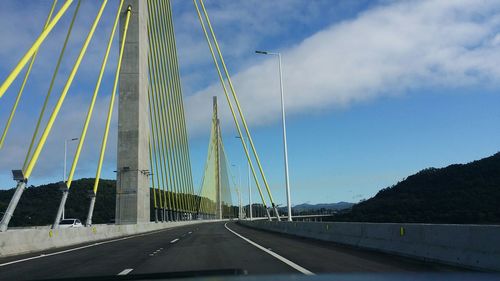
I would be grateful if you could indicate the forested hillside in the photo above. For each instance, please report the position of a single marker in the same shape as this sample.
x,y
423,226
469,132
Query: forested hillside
x,y
38,205
460,193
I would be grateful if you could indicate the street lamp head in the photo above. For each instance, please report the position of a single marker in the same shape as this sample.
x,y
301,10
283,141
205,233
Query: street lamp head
x,y
74,139
261,52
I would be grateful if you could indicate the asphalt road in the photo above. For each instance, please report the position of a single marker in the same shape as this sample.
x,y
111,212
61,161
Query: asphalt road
x,y
208,246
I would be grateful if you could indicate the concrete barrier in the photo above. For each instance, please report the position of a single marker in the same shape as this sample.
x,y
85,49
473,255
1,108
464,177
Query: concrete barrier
x,y
470,246
21,241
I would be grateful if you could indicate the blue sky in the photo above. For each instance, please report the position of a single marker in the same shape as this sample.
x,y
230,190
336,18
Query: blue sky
x,y
375,90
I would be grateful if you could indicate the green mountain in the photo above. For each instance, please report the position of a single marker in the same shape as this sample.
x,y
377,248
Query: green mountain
x,y
324,206
38,205
460,193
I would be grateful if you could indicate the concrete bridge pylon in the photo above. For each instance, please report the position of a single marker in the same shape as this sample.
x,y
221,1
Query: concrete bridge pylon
x,y
132,186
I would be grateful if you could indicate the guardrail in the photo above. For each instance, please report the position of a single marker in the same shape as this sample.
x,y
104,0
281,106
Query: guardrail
x,y
470,246
21,241
314,218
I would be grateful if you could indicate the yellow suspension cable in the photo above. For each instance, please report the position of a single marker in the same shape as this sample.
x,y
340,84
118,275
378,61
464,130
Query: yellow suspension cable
x,y
209,181
200,194
169,175
24,60
227,170
153,155
26,76
112,99
154,121
169,196
52,81
203,195
180,110
152,151
83,135
174,131
218,170
166,111
158,141
237,104
59,103
230,105
152,178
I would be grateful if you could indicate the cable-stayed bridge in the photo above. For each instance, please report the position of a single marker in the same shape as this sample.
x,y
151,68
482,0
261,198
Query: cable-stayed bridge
x,y
216,202
153,146
189,231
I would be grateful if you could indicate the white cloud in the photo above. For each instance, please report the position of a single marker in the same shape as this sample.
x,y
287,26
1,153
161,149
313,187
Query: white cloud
x,y
245,25
22,21
383,51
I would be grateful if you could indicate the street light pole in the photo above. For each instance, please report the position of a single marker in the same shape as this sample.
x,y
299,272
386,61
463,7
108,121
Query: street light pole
x,y
65,155
239,193
61,207
285,148
238,190
249,191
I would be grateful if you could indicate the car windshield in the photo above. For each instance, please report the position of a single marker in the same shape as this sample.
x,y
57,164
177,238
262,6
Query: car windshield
x,y
66,222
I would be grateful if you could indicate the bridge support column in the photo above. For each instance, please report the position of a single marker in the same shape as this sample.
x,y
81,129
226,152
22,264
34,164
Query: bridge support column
x,y
88,222
132,190
21,185
62,205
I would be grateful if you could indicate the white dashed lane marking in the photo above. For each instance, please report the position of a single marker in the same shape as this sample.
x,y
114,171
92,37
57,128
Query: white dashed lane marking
x,y
126,271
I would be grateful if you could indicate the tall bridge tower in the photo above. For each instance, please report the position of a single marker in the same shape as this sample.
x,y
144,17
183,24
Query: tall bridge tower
x,y
132,189
152,133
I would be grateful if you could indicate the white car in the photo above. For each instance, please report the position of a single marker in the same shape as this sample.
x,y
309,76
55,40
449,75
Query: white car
x,y
68,223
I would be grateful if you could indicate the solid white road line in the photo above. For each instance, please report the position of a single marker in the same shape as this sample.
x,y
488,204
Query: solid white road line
x,y
79,248
284,260
173,241
126,271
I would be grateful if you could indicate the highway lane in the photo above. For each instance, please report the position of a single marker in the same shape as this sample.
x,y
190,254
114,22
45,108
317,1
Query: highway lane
x,y
325,257
106,259
207,246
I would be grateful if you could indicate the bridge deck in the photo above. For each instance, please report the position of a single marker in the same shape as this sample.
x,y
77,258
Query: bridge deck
x,y
205,247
